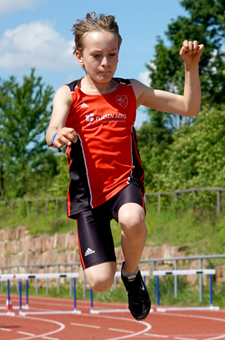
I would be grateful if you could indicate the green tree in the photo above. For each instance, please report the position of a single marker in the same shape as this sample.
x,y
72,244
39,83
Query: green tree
x,y
196,157
205,23
60,183
153,140
25,111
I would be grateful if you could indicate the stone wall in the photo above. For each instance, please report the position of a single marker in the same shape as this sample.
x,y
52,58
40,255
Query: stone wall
x,y
18,248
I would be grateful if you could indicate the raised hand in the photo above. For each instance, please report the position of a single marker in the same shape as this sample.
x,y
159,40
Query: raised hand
x,y
191,51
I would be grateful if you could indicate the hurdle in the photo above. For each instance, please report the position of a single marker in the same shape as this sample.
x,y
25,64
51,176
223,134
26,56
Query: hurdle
x,y
98,311
8,313
9,277
26,306
210,272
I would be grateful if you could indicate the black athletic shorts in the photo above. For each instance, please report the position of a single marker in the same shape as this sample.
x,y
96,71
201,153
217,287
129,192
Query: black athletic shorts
x,y
94,232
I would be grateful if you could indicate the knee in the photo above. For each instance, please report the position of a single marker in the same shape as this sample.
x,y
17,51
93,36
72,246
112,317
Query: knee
x,y
101,277
100,284
132,222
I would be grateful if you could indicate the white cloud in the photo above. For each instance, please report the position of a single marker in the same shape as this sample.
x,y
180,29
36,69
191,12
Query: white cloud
x,y
144,78
8,6
35,45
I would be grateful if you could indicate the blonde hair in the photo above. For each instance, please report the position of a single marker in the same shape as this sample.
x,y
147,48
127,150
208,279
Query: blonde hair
x,y
94,23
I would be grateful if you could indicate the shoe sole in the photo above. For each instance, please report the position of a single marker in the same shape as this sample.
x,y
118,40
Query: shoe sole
x,y
141,317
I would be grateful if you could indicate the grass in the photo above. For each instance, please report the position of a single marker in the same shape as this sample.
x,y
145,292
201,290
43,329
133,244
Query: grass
x,y
202,231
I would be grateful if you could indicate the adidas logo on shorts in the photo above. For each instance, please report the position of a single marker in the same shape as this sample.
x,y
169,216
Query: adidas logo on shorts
x,y
89,251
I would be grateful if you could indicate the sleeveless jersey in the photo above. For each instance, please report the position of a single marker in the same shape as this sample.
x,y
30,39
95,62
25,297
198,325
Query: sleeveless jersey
x,y
105,158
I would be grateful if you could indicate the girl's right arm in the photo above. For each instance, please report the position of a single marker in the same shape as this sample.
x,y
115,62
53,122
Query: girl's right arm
x,y
57,131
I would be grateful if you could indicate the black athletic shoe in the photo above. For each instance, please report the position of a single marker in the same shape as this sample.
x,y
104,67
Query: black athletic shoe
x,y
138,298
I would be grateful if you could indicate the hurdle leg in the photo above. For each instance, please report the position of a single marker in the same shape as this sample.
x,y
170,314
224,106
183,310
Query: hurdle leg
x,y
157,290
210,290
27,292
20,295
9,300
74,294
91,301
8,294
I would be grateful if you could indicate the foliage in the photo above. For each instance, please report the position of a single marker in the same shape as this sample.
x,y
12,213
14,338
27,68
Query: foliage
x,y
204,22
196,157
207,25
60,182
183,223
26,164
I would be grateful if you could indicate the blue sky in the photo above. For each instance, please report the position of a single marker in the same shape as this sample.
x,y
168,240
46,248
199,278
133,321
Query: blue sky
x,y
37,33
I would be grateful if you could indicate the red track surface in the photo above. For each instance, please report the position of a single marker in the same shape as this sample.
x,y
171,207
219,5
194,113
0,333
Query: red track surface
x,y
179,325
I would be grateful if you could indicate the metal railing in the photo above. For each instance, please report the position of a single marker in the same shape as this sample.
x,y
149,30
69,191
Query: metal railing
x,y
194,191
42,205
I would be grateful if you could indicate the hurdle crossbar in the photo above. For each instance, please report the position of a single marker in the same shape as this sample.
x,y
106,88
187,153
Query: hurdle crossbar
x,y
6,277
209,272
98,311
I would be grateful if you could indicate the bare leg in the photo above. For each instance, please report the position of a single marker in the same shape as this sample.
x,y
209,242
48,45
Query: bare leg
x,y
131,218
101,276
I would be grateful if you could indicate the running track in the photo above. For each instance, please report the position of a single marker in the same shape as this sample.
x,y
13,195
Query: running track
x,y
185,325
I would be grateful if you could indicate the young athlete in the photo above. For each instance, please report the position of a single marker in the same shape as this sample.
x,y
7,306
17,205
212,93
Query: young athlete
x,y
94,116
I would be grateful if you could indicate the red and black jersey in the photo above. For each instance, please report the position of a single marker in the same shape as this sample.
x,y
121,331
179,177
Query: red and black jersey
x,y
105,158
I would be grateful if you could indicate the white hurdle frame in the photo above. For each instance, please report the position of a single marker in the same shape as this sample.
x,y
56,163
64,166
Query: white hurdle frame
x,y
98,311
19,277
210,272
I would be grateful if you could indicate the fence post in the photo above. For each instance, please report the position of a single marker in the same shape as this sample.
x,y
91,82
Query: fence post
x,y
176,197
46,207
58,283
27,207
159,202
37,208
84,285
47,286
194,204
57,204
175,279
71,270
218,202
200,281
2,282
36,280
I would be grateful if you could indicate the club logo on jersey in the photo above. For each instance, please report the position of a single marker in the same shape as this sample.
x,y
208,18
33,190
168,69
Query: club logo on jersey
x,y
109,117
90,117
122,100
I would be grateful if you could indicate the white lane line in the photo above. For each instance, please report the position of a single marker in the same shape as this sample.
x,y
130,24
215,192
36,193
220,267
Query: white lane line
x,y
179,338
148,327
158,336
217,337
120,330
35,335
5,329
45,335
84,325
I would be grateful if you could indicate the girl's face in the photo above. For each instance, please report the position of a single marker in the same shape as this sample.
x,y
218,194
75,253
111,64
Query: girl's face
x,y
100,55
